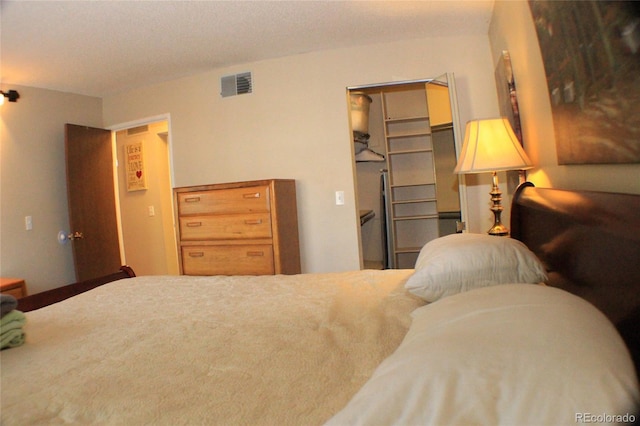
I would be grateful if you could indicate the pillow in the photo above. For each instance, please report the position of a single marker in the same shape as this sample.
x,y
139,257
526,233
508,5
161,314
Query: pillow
x,y
514,354
460,262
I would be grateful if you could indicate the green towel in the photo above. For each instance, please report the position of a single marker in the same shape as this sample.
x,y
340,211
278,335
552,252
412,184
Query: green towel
x,y
11,334
11,338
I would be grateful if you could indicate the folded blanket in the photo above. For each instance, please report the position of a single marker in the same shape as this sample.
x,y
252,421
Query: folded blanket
x,y
7,304
11,333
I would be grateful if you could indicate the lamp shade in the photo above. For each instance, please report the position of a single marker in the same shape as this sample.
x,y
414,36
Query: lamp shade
x,y
490,145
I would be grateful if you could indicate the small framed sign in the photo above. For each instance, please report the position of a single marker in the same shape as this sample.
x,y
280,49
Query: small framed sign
x,y
134,157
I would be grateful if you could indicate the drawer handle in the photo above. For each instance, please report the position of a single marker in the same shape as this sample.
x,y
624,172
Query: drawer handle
x,y
192,199
253,221
194,224
196,254
252,195
255,253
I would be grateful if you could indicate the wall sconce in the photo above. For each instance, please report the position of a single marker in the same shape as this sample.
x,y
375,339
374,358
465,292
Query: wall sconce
x,y
12,95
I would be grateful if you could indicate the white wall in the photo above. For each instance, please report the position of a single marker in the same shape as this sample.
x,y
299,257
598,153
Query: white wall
x,y
33,183
512,29
295,125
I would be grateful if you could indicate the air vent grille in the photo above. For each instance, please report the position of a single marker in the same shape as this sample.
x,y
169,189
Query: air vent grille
x,y
238,84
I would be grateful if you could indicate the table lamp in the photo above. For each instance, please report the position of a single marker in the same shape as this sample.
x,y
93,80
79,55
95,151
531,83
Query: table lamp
x,y
490,145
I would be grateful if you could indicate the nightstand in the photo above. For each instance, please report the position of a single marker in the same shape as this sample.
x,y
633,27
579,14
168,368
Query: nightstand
x,y
13,286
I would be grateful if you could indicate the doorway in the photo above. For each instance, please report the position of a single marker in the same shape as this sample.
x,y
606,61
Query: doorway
x,y
404,154
144,198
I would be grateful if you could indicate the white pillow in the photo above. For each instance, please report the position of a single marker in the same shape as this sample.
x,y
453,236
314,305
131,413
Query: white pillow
x,y
514,354
460,262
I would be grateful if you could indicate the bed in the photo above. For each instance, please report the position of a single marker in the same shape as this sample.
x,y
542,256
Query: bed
x,y
539,328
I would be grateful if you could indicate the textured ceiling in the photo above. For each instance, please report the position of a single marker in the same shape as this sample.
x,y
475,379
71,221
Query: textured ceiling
x,y
99,48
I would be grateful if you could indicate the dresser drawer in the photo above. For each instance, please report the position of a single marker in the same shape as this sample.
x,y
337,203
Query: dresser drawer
x,y
224,201
250,259
222,227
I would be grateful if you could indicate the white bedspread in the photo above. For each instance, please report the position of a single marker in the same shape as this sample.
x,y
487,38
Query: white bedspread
x,y
269,350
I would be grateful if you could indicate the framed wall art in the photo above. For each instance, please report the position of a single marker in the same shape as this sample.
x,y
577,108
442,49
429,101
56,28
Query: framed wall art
x,y
508,102
591,55
507,97
134,158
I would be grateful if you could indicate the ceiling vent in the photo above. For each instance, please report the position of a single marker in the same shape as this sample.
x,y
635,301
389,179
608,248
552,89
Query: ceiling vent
x,y
238,84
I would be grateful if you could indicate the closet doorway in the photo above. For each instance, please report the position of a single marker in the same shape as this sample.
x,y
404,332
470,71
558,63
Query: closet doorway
x,y
405,137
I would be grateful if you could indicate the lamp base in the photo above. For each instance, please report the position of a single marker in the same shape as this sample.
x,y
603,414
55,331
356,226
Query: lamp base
x,y
498,229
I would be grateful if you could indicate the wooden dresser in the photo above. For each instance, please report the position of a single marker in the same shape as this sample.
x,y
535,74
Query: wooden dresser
x,y
241,228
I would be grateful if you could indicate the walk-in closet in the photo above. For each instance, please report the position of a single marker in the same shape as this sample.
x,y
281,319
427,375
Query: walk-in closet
x,y
405,151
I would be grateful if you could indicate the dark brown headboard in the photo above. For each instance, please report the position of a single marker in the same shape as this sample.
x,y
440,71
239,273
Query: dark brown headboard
x,y
590,243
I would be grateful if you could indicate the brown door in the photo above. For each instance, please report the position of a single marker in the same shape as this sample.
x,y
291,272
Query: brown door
x,y
91,195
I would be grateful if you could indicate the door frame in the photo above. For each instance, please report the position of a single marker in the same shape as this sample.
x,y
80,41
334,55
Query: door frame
x,y
128,125
458,138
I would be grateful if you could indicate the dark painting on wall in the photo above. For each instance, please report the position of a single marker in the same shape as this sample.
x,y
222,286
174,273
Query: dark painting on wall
x,y
591,55
508,102
507,97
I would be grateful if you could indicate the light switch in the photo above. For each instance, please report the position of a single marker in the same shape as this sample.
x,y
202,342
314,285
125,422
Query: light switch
x,y
28,223
339,198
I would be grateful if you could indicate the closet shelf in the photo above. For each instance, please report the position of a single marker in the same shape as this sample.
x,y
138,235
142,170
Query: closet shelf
x,y
410,198
410,151
441,127
409,185
408,134
415,200
406,119
417,217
